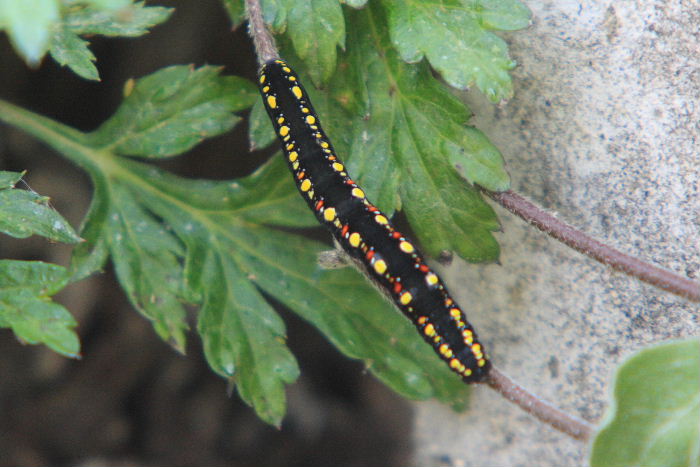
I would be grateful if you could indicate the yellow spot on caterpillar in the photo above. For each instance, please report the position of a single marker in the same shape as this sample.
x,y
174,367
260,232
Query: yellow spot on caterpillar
x,y
445,351
337,223
292,78
406,298
481,362
280,120
293,156
324,145
431,278
295,165
310,119
468,336
287,69
266,89
305,185
311,194
329,214
338,167
455,313
305,110
272,102
429,330
262,79
355,239
381,219
406,247
284,130
297,92
422,320
454,363
467,372
290,146
358,193
380,266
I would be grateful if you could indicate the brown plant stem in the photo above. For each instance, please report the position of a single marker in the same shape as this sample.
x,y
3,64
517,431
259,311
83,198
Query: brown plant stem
x,y
605,254
540,409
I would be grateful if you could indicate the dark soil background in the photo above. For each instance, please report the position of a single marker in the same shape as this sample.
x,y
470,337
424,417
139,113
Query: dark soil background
x,y
132,400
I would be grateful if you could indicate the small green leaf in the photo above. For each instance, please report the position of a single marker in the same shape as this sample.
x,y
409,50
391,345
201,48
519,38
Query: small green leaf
x,y
316,29
25,306
236,12
29,24
453,36
131,20
25,213
655,417
173,110
68,49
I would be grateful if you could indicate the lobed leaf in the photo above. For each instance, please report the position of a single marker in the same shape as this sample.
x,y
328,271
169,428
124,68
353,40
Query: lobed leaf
x,y
453,35
172,110
26,308
654,419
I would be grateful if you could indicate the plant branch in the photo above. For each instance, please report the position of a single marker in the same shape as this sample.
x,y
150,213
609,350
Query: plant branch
x,y
578,429
607,255
540,409
265,46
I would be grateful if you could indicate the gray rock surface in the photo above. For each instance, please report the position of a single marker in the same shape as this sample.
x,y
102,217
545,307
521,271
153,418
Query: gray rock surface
x,y
604,131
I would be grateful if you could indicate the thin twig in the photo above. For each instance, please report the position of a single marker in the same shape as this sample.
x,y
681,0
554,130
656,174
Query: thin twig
x,y
264,42
581,242
545,412
266,50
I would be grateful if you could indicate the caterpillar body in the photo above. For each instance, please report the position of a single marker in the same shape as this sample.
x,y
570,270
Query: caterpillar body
x,y
390,259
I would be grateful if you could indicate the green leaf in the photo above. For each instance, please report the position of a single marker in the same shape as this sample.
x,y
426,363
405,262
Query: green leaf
x,y
405,141
654,419
236,12
68,49
29,24
26,307
173,110
215,244
315,27
454,37
25,213
132,20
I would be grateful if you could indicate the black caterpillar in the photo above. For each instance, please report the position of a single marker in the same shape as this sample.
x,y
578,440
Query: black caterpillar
x,y
389,258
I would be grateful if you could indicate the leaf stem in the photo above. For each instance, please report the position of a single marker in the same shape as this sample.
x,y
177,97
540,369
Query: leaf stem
x,y
265,46
540,409
605,254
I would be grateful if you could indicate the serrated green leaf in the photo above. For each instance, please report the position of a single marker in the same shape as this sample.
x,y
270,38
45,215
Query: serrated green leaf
x,y
407,142
236,11
132,20
504,15
26,307
25,213
316,29
655,416
29,24
453,36
68,49
172,110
